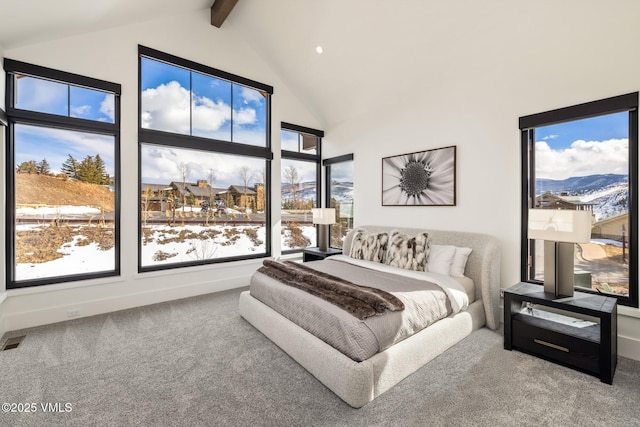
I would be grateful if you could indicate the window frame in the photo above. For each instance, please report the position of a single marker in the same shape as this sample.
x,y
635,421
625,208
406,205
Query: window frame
x,y
26,117
627,102
182,141
327,163
315,158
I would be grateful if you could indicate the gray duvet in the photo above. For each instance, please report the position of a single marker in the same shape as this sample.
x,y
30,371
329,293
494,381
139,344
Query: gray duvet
x,y
425,303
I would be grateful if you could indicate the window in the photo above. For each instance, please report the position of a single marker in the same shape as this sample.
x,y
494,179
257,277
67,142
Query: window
x,y
205,159
63,162
585,158
339,177
300,185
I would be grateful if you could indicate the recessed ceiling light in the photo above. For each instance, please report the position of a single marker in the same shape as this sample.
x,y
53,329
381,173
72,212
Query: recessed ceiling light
x,y
319,49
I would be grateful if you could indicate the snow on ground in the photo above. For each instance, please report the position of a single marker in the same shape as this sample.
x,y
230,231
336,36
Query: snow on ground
x,y
76,260
90,259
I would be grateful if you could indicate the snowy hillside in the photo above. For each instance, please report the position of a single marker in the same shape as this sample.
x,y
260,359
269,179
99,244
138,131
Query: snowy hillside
x,y
608,193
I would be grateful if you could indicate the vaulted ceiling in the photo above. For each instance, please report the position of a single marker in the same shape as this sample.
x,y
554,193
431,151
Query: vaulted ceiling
x,y
376,52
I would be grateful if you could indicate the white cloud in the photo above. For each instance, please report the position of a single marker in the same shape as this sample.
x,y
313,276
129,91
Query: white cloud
x,y
167,107
80,111
550,137
582,158
160,166
40,94
107,106
251,95
208,115
244,116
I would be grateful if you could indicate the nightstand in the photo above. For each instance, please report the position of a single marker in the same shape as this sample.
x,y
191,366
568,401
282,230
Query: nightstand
x,y
579,332
315,254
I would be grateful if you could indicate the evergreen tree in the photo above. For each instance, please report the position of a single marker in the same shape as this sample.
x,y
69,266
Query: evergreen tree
x,y
101,171
70,167
43,167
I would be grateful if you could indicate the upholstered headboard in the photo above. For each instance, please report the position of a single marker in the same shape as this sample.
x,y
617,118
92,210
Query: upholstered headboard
x,y
483,264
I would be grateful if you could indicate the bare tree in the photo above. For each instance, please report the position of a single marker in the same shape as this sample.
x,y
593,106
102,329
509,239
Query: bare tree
x,y
245,175
184,170
212,199
292,178
147,195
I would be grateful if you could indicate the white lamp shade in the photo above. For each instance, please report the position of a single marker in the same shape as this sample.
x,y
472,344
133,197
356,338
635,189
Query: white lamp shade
x,y
560,225
324,215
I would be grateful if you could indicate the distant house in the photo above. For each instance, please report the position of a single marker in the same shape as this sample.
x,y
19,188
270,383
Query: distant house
x,y
154,197
548,200
201,190
613,227
239,195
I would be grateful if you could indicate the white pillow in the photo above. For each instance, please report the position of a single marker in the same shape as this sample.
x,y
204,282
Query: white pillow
x,y
459,261
441,258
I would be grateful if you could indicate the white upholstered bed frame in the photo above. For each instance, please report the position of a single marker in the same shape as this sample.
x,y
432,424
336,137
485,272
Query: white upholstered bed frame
x,y
358,383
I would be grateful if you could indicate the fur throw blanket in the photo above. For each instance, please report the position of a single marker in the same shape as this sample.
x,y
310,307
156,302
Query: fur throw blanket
x,y
360,301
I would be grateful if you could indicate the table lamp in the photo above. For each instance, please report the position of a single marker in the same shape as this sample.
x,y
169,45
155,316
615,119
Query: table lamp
x,y
560,230
323,217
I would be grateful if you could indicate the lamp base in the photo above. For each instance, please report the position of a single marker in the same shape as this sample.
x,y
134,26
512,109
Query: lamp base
x,y
558,268
323,237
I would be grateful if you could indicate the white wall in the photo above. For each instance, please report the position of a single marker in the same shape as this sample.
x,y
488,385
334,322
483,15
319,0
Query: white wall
x,y
112,55
524,68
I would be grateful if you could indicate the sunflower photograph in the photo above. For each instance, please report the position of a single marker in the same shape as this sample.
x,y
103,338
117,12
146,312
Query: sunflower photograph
x,y
424,178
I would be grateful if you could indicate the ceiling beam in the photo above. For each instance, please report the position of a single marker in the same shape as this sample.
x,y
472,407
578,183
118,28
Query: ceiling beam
x,y
220,10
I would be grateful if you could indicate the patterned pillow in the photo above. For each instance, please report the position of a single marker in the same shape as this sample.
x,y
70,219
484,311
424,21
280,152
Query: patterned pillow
x,y
369,246
410,253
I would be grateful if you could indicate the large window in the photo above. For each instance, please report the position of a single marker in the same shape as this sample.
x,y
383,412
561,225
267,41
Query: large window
x,y
63,176
205,156
585,158
339,177
300,185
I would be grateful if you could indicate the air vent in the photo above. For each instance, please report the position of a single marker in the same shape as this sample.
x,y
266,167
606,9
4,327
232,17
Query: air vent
x,y
12,343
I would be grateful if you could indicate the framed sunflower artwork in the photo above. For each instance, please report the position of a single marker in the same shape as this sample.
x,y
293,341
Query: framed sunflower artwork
x,y
424,178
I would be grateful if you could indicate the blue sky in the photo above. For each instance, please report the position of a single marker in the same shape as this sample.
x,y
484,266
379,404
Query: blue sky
x,y
598,145
55,145
178,100
560,136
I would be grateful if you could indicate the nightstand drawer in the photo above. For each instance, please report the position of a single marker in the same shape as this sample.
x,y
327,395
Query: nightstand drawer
x,y
560,347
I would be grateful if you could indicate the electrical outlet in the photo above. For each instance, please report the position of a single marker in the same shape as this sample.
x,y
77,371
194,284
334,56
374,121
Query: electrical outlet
x,y
73,312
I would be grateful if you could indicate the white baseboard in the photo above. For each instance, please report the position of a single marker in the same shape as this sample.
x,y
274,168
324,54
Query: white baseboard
x,y
48,315
629,347
3,297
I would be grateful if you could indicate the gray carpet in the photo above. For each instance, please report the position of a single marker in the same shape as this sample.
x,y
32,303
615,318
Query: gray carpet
x,y
196,362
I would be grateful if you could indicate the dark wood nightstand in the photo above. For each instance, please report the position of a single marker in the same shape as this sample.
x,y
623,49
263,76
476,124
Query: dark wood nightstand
x,y
315,254
580,332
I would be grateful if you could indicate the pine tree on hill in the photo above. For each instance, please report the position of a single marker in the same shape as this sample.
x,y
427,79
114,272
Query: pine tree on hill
x,y
101,171
70,167
43,167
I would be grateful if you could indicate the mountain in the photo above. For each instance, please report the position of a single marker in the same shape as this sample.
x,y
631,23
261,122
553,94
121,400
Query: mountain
x,y
608,193
342,191
580,184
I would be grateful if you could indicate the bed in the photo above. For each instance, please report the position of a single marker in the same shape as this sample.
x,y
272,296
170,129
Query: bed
x,y
359,380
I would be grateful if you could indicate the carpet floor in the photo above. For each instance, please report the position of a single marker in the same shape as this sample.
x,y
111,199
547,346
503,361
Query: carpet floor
x,y
196,362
